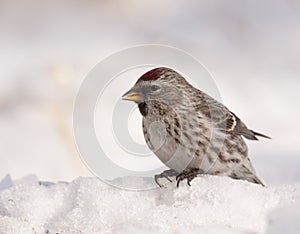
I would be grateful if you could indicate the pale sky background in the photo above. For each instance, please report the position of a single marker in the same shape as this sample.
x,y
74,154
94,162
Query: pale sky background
x,y
251,48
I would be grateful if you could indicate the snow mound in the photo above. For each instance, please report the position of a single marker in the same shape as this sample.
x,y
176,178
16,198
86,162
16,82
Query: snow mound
x,y
87,205
285,220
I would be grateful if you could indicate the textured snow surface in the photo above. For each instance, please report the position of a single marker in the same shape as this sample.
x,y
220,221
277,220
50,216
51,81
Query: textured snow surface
x,y
87,205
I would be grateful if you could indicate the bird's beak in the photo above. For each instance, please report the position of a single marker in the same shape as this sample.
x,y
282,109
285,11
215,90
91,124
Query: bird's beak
x,y
133,95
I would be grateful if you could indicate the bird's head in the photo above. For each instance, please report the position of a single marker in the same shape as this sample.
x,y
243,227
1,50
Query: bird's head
x,y
161,84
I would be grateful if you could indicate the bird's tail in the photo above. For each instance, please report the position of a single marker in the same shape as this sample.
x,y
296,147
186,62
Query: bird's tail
x,y
254,179
243,173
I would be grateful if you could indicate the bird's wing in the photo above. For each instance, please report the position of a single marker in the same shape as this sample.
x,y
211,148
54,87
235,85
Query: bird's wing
x,y
235,125
227,121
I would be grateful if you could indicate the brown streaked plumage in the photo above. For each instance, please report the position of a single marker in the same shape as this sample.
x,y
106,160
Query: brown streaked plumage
x,y
189,131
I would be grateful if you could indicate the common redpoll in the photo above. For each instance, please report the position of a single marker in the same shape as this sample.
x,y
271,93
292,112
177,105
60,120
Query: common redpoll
x,y
189,131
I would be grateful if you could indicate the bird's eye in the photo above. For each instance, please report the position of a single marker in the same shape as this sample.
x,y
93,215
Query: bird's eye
x,y
154,87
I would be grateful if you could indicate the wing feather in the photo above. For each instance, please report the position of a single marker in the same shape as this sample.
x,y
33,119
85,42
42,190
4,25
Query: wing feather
x,y
227,121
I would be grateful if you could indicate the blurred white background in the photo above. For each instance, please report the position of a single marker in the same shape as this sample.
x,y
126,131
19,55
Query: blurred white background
x,y
250,47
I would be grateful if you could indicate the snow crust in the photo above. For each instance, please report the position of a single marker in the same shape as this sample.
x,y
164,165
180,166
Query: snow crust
x,y
88,205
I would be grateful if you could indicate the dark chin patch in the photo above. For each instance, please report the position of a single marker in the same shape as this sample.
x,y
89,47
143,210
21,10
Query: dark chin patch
x,y
143,108
150,75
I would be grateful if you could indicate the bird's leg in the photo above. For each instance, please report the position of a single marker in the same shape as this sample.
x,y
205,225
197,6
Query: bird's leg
x,y
188,174
165,174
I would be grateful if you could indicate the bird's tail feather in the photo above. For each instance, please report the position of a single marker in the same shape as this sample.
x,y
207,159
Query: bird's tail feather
x,y
244,173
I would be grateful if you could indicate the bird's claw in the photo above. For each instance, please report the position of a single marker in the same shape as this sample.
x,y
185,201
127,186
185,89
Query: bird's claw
x,y
165,174
188,174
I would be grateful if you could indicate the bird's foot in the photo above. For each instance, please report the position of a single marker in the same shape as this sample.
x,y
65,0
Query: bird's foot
x,y
188,174
165,174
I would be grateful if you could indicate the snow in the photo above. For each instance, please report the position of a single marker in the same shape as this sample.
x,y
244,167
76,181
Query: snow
x,y
88,205
284,220
251,49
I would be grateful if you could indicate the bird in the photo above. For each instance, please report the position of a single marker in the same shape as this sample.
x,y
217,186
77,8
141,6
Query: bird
x,y
189,131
